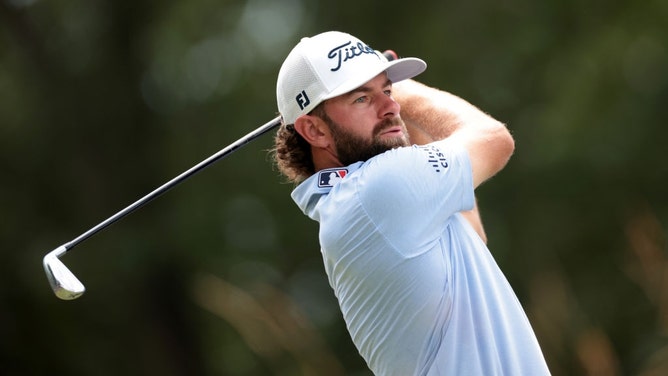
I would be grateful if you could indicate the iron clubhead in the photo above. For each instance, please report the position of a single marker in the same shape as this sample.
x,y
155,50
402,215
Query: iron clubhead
x,y
64,284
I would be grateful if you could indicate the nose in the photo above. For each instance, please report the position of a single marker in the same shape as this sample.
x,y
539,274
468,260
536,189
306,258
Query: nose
x,y
389,107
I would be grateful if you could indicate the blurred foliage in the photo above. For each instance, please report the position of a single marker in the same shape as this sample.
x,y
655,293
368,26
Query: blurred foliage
x,y
103,101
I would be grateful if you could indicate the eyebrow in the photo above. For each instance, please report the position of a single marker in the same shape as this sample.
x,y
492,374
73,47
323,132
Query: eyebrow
x,y
365,88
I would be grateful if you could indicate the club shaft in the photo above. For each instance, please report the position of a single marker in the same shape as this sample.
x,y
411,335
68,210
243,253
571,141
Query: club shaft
x,y
172,183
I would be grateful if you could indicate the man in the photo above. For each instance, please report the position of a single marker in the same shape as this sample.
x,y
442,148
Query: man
x,y
401,239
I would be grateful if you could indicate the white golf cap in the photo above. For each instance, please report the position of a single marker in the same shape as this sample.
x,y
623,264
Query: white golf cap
x,y
328,65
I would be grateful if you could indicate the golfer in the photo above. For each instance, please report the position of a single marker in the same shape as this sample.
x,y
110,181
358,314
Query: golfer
x,y
388,167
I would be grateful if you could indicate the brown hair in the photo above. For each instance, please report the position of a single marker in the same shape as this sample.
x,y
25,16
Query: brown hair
x,y
292,153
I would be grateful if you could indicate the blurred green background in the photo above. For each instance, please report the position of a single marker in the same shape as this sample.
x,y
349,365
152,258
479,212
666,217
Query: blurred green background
x,y
103,101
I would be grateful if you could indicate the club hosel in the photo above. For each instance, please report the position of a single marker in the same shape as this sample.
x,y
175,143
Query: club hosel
x,y
58,251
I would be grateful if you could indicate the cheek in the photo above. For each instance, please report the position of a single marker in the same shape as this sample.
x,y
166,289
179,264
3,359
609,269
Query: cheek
x,y
355,120
363,123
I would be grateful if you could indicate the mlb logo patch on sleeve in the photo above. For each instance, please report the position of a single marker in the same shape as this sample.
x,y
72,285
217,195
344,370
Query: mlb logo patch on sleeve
x,y
329,177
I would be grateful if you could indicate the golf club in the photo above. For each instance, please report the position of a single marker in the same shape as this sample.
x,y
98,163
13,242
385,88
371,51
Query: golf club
x,y
64,284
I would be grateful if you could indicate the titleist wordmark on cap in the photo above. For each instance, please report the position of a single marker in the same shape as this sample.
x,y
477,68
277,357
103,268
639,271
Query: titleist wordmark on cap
x,y
348,51
328,65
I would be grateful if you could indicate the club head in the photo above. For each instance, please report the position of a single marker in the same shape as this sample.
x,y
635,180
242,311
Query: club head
x,y
64,284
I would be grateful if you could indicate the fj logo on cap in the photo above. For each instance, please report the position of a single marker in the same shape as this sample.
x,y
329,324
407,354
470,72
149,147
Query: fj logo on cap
x,y
302,100
328,178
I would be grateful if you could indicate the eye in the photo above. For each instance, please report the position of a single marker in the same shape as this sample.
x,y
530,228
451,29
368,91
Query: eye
x,y
361,99
388,92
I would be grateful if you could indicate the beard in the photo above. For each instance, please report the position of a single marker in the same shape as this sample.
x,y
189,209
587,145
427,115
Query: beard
x,y
352,148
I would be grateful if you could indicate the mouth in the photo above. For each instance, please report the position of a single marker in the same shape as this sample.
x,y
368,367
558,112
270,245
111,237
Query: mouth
x,y
391,131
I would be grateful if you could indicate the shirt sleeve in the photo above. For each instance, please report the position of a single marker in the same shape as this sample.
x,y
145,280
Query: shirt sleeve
x,y
410,193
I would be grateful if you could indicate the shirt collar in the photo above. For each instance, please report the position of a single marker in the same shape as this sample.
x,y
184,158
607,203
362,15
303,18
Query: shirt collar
x,y
308,193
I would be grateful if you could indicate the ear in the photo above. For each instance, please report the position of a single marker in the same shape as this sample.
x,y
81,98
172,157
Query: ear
x,y
314,130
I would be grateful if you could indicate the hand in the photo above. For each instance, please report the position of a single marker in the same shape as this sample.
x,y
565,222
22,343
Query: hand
x,y
390,55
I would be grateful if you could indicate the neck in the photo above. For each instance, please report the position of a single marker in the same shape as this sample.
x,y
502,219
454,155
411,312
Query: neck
x,y
324,158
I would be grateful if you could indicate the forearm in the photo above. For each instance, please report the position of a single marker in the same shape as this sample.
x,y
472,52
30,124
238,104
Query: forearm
x,y
431,114
435,114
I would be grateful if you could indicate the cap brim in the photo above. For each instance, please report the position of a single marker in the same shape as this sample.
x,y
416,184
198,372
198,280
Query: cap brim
x,y
397,70
403,69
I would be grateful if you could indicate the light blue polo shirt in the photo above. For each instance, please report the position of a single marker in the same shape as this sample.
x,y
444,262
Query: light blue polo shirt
x,y
419,291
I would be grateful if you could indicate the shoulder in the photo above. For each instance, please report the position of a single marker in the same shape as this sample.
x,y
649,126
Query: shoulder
x,y
416,165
